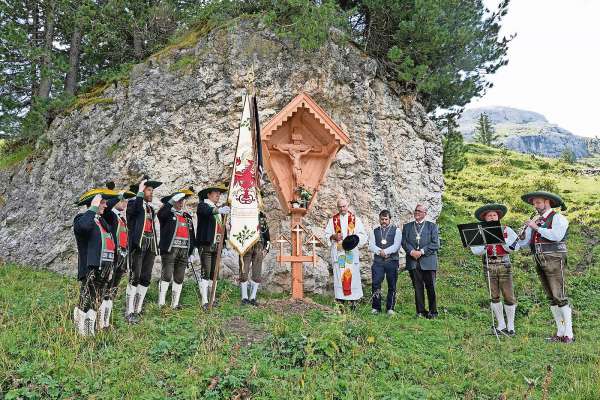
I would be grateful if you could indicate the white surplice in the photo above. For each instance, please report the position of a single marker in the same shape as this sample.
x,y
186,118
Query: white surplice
x,y
359,230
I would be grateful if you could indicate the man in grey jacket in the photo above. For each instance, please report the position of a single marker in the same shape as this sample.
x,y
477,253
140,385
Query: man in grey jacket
x,y
420,241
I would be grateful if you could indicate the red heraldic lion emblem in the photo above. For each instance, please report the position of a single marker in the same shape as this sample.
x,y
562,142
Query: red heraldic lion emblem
x,y
245,179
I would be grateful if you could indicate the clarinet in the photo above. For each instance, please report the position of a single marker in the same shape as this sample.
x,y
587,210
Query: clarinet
x,y
521,234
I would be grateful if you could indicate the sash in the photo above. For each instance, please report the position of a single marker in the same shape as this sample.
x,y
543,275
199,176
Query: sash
x,y
122,233
148,226
107,252
182,231
345,258
219,226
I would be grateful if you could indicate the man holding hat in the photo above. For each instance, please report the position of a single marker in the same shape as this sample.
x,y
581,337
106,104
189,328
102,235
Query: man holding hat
x,y
177,243
420,241
210,232
546,237
345,232
114,215
96,253
142,244
497,261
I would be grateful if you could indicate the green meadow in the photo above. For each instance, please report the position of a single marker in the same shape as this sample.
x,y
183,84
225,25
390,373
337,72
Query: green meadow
x,y
317,350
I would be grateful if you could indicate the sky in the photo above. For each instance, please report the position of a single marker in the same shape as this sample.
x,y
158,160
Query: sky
x,y
554,63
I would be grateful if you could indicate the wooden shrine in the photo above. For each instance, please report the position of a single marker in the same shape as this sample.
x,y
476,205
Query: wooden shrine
x,y
299,144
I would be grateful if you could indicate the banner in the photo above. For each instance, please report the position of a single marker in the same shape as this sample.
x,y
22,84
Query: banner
x,y
243,188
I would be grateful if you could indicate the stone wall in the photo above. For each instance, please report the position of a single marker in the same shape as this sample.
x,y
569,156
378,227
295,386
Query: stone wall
x,y
176,119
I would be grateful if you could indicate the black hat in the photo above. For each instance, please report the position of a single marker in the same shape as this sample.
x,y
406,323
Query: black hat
x,y
153,184
86,198
483,210
188,193
555,200
350,242
219,187
110,185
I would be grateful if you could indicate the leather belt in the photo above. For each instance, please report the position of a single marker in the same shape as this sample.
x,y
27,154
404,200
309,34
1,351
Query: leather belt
x,y
553,247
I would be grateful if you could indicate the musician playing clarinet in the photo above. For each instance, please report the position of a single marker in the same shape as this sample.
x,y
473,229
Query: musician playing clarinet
x,y
546,237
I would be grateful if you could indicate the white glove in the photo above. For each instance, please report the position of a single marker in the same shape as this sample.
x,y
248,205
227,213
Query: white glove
x,y
193,258
178,197
224,210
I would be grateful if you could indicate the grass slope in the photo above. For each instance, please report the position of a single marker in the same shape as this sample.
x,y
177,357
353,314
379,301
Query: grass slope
x,y
274,352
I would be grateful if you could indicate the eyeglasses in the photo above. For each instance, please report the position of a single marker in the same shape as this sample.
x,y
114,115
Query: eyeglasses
x,y
420,211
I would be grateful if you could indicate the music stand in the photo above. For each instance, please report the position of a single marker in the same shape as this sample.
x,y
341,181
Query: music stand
x,y
483,234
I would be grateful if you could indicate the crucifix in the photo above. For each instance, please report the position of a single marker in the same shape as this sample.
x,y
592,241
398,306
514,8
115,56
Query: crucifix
x,y
297,150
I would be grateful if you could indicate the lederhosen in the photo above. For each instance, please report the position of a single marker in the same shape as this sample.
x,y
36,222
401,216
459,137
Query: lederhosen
x,y
500,273
550,263
208,251
253,259
174,261
95,282
121,258
142,259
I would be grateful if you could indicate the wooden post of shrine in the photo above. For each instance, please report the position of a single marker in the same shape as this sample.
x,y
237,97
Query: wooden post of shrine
x,y
297,256
300,143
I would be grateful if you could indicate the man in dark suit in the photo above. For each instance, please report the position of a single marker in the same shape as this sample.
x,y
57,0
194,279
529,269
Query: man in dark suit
x,y
420,241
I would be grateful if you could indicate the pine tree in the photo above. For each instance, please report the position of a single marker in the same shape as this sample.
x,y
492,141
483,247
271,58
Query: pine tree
x,y
485,133
453,146
568,156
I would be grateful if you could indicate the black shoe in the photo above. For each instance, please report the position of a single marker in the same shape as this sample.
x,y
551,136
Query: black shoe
x,y
245,302
431,315
254,302
177,307
205,307
507,332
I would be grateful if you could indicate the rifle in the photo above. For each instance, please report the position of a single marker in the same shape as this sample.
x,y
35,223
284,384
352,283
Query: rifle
x,y
213,289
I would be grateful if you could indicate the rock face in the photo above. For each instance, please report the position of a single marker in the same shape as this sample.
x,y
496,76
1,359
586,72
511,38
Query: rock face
x,y
176,119
525,131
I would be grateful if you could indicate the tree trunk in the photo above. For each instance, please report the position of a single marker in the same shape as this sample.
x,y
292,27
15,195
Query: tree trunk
x,y
72,76
35,36
138,49
45,64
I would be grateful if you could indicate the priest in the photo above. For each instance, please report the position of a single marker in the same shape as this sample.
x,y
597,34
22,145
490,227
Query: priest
x,y
347,283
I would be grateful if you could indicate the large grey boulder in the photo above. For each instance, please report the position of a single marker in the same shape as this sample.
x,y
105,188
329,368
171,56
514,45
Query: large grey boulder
x,y
176,119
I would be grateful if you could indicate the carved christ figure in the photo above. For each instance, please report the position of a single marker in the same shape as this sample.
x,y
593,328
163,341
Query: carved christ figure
x,y
295,151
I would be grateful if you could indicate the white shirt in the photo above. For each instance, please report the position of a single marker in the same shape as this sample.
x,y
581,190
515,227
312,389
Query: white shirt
x,y
558,231
388,250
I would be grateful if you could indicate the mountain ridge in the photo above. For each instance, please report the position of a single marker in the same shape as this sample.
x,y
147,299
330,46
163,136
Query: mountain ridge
x,y
525,131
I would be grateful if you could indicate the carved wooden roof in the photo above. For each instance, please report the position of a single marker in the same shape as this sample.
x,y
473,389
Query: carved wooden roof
x,y
303,100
